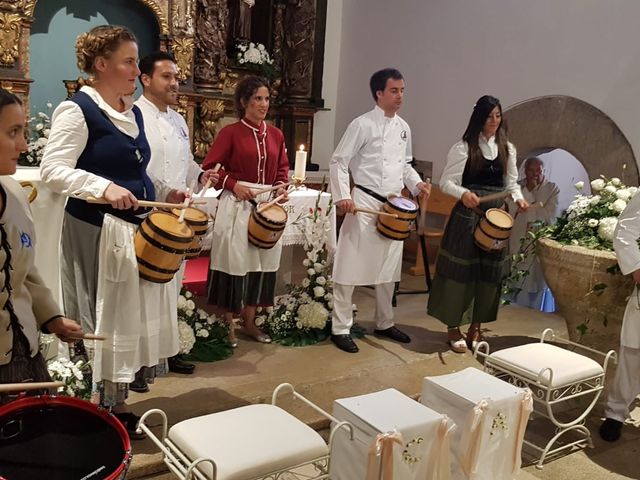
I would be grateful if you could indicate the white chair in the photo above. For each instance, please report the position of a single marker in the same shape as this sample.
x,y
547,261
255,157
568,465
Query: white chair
x,y
246,443
556,376
490,416
393,437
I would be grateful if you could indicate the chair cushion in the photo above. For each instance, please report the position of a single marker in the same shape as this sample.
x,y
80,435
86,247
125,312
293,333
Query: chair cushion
x,y
248,441
568,367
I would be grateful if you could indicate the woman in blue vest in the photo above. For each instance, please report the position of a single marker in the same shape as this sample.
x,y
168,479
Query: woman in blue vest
x,y
97,148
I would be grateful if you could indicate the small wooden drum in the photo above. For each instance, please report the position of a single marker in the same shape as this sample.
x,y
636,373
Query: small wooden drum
x,y
493,231
397,228
59,438
198,220
161,243
266,227
33,192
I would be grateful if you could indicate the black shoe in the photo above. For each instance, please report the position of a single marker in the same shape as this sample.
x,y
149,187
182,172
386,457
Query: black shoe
x,y
177,365
130,421
610,430
345,343
139,385
394,334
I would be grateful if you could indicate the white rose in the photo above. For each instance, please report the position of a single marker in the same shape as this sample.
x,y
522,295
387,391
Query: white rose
x,y
619,205
204,333
39,126
328,297
188,294
306,262
597,184
593,222
623,194
260,320
182,302
615,181
318,267
311,271
305,283
197,325
632,191
190,305
321,280
594,200
299,325
610,189
607,228
579,185
318,291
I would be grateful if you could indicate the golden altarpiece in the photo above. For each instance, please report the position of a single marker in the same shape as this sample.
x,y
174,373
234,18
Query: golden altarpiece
x,y
201,35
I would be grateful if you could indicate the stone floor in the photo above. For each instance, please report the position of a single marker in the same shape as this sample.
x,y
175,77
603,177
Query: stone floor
x,y
323,373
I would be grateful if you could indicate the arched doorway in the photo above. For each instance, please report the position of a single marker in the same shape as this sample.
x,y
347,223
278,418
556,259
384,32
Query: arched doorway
x,y
559,121
56,25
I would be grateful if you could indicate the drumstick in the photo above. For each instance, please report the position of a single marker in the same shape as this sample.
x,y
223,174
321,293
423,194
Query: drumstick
x,y
88,336
23,387
493,196
262,208
186,203
208,184
375,212
146,203
271,189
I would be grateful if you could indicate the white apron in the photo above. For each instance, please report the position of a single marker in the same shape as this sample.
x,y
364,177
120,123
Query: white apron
x,y
363,256
139,318
231,251
630,333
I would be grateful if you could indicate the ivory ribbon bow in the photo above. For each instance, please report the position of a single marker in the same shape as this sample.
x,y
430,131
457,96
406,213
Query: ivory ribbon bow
x,y
472,437
383,447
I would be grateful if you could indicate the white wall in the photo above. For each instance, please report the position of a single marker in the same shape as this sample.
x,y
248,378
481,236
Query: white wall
x,y
325,120
453,51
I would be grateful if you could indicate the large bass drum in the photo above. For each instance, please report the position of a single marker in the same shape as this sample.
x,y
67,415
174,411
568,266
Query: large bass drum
x,y
61,438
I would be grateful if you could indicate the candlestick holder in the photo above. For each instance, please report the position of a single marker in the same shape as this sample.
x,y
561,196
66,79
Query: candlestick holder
x,y
297,181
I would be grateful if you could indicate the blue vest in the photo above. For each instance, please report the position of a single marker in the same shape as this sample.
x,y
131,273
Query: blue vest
x,y
115,156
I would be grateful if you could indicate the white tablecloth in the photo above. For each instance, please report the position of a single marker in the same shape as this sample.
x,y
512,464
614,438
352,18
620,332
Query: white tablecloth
x,y
491,417
421,446
301,203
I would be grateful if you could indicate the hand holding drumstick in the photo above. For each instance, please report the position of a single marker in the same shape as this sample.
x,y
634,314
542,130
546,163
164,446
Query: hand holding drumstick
x,y
65,329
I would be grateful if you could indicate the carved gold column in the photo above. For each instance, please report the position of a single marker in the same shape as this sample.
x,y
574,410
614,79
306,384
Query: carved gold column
x,y
14,48
209,112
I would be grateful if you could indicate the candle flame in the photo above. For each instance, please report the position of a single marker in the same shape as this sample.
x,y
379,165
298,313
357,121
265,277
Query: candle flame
x,y
302,148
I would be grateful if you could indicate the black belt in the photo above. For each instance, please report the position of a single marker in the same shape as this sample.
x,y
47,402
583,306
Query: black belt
x,y
371,193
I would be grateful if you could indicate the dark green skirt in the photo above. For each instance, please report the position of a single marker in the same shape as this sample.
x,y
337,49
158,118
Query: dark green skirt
x,y
468,281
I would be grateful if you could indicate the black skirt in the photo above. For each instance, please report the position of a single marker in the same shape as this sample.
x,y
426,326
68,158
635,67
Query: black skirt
x,y
234,292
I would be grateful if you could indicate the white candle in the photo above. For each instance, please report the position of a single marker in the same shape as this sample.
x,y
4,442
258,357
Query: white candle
x,y
301,163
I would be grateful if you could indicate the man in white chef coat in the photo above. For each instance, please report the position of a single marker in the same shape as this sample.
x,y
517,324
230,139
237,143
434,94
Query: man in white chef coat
x,y
376,149
168,137
626,385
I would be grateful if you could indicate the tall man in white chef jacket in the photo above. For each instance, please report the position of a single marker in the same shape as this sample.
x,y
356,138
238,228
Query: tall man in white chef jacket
x,y
168,137
376,149
626,385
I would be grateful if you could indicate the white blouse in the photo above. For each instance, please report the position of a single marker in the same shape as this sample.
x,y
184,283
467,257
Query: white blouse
x,y
67,141
451,179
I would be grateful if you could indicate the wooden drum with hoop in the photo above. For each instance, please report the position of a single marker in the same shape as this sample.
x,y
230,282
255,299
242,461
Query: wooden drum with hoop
x,y
397,228
198,220
161,243
266,227
493,231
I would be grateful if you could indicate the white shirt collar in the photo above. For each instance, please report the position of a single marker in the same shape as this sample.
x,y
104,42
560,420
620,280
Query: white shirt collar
x,y
381,115
125,116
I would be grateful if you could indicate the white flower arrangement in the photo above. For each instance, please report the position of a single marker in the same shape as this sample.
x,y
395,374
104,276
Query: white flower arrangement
x,y
300,317
72,374
38,132
202,336
590,220
255,56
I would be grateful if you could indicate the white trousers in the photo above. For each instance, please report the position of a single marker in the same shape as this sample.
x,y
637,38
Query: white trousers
x,y
626,384
342,319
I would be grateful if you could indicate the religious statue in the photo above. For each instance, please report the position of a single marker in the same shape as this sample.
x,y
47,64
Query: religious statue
x,y
241,17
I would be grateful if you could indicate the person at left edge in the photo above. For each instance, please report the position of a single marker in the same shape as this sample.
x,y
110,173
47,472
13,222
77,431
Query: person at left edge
x,y
97,148
171,158
376,150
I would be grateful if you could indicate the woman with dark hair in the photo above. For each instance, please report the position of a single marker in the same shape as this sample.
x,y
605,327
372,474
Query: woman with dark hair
x,y
468,280
252,155
27,303
97,148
